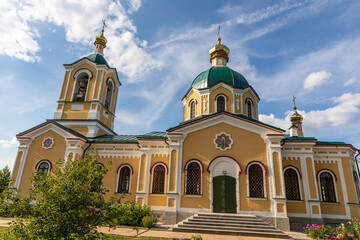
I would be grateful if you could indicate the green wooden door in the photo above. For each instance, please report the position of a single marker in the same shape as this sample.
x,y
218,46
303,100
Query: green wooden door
x,y
224,194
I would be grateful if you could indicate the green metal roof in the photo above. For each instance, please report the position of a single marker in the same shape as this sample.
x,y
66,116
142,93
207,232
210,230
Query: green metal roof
x,y
300,138
127,138
97,58
331,143
218,74
227,113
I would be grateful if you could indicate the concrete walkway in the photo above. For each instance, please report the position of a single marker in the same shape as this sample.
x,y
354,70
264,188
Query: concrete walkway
x,y
165,232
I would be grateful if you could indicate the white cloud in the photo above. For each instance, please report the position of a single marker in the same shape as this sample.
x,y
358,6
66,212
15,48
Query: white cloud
x,y
350,81
332,122
8,144
316,79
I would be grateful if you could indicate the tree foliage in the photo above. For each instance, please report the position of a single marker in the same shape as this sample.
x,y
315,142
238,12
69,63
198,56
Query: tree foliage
x,y
4,178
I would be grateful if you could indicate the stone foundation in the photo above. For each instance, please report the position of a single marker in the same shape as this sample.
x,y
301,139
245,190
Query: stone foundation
x,y
281,223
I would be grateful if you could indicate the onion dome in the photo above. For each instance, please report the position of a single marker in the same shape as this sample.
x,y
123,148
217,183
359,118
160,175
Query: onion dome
x,y
296,117
218,74
100,43
219,51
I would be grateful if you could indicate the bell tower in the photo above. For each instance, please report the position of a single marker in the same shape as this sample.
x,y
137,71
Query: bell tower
x,y
88,97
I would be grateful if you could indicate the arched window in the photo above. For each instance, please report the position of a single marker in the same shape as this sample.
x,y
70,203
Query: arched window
x,y
158,179
81,87
220,103
193,178
109,91
356,181
124,179
256,181
44,166
249,108
327,187
292,184
192,109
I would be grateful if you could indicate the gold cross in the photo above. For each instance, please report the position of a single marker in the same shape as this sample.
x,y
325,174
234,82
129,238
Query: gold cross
x,y
104,24
294,98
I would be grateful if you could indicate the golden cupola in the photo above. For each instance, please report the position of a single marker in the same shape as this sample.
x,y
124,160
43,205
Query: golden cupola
x,y
100,42
296,120
219,54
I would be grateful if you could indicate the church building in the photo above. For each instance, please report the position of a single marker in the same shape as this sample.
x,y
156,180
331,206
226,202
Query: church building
x,y
220,158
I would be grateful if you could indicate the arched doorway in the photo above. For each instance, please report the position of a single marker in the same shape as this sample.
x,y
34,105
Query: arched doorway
x,y
224,193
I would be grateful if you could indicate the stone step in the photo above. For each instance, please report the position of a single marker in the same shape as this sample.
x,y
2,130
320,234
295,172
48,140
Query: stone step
x,y
230,228
227,219
233,232
224,223
227,215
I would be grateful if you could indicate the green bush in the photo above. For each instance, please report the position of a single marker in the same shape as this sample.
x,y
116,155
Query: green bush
x,y
195,237
148,221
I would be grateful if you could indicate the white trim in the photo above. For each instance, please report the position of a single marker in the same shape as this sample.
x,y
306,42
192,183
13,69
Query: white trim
x,y
344,189
152,178
118,177
334,184
77,107
186,175
247,178
231,165
298,179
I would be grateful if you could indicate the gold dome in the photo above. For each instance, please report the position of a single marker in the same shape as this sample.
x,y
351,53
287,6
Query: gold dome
x,y
219,50
100,42
296,117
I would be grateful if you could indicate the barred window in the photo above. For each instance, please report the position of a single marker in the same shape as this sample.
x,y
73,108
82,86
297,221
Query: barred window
x,y
220,103
124,180
159,179
327,187
356,180
256,181
193,179
43,167
192,109
292,184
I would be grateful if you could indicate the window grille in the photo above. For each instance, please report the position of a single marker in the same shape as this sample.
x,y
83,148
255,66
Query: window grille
x,y
256,181
193,178
192,109
44,167
356,180
220,104
159,179
292,185
124,180
327,187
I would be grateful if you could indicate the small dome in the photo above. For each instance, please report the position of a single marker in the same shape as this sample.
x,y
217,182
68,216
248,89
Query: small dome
x,y
97,58
218,74
296,117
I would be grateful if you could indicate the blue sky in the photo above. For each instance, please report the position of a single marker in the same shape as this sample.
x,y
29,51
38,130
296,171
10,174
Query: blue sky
x,y
309,49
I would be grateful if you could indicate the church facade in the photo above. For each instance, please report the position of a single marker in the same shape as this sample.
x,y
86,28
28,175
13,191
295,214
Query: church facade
x,y
220,158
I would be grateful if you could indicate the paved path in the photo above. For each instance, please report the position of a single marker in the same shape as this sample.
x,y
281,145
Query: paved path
x,y
165,232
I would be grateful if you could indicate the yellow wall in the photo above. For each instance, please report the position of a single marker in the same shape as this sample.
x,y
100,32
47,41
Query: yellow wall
x,y
65,83
277,173
245,96
311,178
142,175
172,183
295,206
247,147
229,101
158,199
111,178
193,96
332,208
37,153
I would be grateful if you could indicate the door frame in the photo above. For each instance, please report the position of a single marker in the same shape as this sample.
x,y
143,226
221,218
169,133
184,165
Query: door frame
x,y
232,167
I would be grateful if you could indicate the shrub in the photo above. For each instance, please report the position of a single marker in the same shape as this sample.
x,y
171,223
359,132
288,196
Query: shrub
x,y
318,232
195,237
148,221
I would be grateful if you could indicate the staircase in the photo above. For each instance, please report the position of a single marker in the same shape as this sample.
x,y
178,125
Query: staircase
x,y
229,224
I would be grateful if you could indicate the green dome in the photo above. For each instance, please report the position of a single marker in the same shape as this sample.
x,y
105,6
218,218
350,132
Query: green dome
x,y
97,58
218,74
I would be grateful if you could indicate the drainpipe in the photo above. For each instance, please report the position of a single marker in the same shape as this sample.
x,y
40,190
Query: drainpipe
x,y
90,142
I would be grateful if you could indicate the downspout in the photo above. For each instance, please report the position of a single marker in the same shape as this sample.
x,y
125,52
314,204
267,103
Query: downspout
x,y
90,142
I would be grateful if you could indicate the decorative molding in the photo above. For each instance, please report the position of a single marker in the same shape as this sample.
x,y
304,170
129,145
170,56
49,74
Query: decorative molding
x,y
223,141
48,143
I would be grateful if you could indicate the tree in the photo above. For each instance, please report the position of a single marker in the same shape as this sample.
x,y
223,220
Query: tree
x,y
68,203
4,178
